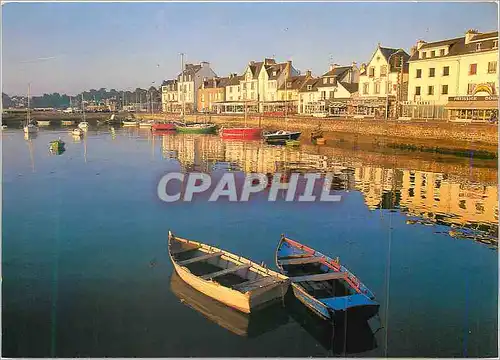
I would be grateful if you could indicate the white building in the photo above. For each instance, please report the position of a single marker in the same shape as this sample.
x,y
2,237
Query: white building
x,y
457,74
190,80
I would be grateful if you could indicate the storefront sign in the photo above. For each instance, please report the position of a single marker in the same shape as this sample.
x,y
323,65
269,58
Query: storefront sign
x,y
473,98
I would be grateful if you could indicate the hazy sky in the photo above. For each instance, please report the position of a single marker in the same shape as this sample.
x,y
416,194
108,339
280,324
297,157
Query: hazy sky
x,y
70,47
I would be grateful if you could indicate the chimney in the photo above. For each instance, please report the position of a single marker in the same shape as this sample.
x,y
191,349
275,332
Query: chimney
x,y
252,62
420,43
205,64
413,50
308,73
332,66
469,34
269,61
215,82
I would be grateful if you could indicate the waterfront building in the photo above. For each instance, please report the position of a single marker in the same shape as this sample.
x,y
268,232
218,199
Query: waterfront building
x,y
288,92
170,97
382,83
189,81
211,92
454,79
233,103
329,94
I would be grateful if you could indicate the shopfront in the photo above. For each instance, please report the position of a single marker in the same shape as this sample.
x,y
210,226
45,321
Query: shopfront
x,y
472,108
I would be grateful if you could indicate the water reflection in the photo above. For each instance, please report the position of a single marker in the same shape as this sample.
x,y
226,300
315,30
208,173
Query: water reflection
x,y
431,197
235,321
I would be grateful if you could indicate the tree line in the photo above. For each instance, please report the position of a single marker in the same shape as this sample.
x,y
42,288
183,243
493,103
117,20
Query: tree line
x,y
56,100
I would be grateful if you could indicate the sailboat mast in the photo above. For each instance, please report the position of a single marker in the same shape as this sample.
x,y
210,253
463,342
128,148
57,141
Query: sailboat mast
x,y
182,87
83,108
28,112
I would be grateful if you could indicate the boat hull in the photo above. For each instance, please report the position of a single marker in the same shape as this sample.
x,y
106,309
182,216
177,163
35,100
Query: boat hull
x,y
282,137
163,127
241,133
245,302
129,123
196,130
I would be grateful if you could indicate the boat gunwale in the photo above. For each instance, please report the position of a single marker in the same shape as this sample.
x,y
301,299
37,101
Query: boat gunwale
x,y
235,259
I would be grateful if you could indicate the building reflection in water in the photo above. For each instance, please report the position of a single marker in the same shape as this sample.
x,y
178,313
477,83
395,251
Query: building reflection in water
x,y
432,197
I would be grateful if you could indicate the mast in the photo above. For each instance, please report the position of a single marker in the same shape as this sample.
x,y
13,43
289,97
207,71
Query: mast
x,y
182,88
28,112
83,108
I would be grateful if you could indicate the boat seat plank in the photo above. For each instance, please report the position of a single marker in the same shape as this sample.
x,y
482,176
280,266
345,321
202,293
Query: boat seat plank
x,y
301,260
225,271
319,277
200,258
183,250
254,284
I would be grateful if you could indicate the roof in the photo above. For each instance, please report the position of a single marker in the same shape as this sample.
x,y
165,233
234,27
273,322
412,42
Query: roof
x,y
168,82
275,67
351,87
235,80
310,82
255,68
190,69
338,71
441,43
387,52
484,36
219,83
296,82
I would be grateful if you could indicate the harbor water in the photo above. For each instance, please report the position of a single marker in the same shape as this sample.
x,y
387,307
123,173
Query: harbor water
x,y
86,272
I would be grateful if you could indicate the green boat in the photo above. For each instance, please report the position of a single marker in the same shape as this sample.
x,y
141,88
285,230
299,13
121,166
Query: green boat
x,y
57,147
197,128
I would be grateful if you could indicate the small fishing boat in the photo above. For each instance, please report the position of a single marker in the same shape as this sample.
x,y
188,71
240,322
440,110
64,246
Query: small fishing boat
x,y
67,122
43,122
130,122
231,279
77,132
281,135
30,127
83,125
4,127
163,126
323,284
56,146
196,128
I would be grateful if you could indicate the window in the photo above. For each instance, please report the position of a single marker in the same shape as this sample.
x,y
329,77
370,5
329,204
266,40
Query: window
x,y
446,71
478,47
371,71
441,52
230,89
433,53
424,55
332,94
383,70
444,90
251,86
289,85
430,90
325,80
419,73
323,95
332,80
417,90
377,88
366,87
202,98
470,89
432,72
309,87
492,87
492,67
472,69
495,43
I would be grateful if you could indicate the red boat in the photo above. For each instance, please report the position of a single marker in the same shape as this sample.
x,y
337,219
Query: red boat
x,y
241,133
163,127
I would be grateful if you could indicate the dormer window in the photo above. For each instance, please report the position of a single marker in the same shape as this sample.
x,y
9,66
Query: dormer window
x,y
289,85
331,80
495,44
441,52
274,73
309,87
325,80
478,47
424,54
433,53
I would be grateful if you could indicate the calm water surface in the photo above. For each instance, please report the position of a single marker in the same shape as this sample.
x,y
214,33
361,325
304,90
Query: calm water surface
x,y
86,271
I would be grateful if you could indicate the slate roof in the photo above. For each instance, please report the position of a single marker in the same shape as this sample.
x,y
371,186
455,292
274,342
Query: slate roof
x,y
235,80
313,82
338,71
190,69
219,83
296,83
457,46
351,87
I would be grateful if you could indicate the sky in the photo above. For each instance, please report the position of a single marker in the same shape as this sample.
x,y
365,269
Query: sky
x,y
71,47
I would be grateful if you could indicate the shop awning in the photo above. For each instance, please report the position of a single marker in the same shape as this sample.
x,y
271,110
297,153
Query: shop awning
x,y
472,105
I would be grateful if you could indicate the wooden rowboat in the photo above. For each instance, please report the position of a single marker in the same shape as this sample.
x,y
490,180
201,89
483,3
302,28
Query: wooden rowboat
x,y
323,284
231,279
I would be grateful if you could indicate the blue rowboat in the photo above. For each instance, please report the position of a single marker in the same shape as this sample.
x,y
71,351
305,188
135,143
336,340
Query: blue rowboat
x,y
323,284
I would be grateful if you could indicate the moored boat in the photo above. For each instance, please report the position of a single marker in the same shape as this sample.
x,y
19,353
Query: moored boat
x,y
56,146
67,122
323,284
167,126
83,125
281,135
231,279
130,122
30,127
43,122
196,128
77,132
246,133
